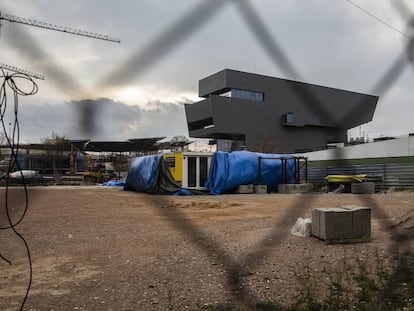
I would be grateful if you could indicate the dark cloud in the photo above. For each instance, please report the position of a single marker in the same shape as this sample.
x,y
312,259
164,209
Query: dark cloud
x,y
112,120
166,47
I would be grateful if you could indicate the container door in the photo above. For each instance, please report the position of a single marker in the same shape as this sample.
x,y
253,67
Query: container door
x,y
204,167
192,171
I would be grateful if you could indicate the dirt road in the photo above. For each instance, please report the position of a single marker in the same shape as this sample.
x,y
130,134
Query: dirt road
x,y
96,248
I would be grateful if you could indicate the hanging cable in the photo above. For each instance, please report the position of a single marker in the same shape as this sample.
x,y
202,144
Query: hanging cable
x,y
378,19
12,140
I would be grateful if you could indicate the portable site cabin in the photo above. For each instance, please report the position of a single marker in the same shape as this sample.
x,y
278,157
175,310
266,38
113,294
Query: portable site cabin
x,y
189,169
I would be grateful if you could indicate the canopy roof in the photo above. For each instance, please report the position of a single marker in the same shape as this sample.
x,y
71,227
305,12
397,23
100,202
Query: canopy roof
x,y
130,145
137,145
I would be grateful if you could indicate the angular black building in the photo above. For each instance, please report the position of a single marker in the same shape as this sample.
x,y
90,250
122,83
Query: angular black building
x,y
254,111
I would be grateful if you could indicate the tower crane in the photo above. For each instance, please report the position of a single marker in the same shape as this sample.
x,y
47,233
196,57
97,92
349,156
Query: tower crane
x,y
36,23
40,24
23,71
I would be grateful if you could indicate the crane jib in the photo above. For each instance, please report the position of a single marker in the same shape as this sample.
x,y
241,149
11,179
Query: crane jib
x,y
40,24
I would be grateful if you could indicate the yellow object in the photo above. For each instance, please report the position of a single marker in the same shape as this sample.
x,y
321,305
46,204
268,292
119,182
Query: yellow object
x,y
189,169
174,162
345,178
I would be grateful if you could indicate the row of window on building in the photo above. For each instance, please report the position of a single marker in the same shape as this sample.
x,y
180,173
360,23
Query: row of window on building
x,y
243,94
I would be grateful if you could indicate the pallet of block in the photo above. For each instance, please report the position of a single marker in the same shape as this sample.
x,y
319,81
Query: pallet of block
x,y
342,224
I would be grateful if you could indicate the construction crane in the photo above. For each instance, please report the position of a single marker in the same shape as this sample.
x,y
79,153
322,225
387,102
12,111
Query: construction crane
x,y
23,71
35,23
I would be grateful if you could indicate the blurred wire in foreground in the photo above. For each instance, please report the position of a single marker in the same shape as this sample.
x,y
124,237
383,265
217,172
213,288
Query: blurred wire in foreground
x,y
146,58
10,84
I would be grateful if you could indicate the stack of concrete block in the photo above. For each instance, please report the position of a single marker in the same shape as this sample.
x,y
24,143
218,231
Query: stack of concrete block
x,y
294,188
363,188
343,224
260,189
245,189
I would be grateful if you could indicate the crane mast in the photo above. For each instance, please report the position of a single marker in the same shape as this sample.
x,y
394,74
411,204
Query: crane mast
x,y
36,23
23,71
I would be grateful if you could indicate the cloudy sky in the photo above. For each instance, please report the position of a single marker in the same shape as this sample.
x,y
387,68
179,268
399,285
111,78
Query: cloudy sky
x,y
138,88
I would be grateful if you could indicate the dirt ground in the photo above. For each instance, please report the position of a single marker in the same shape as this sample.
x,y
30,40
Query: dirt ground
x,y
98,248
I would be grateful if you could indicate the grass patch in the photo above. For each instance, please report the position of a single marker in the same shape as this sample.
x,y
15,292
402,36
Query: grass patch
x,y
357,286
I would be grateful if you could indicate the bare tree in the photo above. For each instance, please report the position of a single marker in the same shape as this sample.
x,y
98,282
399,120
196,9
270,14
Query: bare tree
x,y
120,163
58,146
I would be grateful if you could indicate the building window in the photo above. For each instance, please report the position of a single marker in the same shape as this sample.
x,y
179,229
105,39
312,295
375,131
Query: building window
x,y
244,94
201,124
226,94
288,118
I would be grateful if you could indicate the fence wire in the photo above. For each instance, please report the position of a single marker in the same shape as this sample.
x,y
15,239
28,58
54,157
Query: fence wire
x,y
160,48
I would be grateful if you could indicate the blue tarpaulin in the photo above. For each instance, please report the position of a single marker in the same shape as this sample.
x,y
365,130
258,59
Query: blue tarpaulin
x,y
114,183
141,173
229,170
150,174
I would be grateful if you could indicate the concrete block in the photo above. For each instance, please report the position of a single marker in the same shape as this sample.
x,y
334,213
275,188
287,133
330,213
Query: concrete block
x,y
245,189
294,188
363,188
344,224
260,189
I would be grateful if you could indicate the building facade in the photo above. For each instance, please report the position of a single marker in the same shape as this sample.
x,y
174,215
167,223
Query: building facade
x,y
243,110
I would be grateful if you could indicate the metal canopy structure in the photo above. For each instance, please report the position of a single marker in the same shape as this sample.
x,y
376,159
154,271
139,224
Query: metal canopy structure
x,y
172,145
142,145
130,145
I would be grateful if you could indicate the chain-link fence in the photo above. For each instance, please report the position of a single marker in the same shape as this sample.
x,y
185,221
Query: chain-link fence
x,y
160,48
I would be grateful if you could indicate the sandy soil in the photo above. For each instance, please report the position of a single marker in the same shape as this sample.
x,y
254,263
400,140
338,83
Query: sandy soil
x,y
96,248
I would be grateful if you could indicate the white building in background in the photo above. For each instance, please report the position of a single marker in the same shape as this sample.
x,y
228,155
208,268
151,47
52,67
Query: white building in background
x,y
390,148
